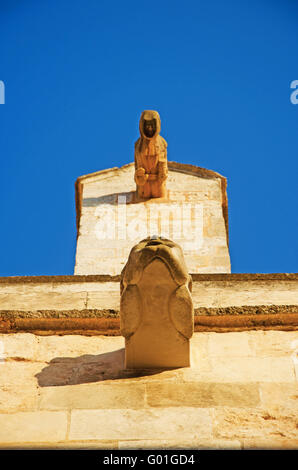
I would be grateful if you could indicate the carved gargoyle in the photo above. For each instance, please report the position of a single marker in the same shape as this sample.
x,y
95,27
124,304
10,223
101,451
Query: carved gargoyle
x,y
151,166
156,310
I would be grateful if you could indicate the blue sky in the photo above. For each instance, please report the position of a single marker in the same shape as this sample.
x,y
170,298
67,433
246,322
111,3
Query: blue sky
x,y
78,74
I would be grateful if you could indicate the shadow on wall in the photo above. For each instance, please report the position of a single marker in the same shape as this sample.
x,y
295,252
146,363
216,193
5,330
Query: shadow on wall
x,y
112,199
88,368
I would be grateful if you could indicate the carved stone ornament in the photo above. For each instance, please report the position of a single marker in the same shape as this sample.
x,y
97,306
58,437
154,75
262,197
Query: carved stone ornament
x,y
151,167
156,310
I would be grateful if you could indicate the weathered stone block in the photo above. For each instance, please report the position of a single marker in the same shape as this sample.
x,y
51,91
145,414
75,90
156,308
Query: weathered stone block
x,y
169,423
198,348
104,299
202,394
280,398
75,346
232,423
251,369
274,343
38,426
94,396
241,369
43,301
18,386
230,344
18,346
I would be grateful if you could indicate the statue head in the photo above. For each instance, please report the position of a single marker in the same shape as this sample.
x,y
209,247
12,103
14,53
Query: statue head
x,y
149,124
149,249
149,128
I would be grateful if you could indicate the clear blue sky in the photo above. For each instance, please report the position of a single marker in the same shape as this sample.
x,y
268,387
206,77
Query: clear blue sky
x,y
79,73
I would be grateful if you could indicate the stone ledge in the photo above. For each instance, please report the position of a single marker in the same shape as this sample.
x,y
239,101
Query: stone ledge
x,y
63,445
181,444
108,278
271,443
59,279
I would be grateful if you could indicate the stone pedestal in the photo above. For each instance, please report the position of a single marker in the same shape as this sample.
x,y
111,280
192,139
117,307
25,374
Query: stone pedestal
x,y
156,343
111,220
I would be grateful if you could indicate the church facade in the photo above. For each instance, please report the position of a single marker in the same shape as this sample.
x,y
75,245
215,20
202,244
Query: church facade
x,y
63,379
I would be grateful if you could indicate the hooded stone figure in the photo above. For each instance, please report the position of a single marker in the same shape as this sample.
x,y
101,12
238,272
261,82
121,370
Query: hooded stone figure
x,y
151,167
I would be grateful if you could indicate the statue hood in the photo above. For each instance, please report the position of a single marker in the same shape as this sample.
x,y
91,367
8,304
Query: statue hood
x,y
149,115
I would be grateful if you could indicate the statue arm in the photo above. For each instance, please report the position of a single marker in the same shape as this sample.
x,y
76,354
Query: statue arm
x,y
163,163
140,177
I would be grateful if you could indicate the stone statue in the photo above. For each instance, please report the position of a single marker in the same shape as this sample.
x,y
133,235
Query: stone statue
x,y
156,310
151,167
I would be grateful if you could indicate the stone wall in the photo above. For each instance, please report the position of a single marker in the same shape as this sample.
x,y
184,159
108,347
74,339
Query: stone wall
x,y
73,392
111,221
67,293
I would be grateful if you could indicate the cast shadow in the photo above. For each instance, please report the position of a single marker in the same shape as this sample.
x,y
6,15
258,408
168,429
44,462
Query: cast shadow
x,y
89,368
114,199
111,199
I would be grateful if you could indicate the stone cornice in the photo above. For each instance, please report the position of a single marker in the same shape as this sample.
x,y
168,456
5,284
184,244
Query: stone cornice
x,y
227,277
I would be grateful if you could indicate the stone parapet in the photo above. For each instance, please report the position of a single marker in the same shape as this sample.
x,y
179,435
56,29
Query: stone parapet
x,y
111,219
90,304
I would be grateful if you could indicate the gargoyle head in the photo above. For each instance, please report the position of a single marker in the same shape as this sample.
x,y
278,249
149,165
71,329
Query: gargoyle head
x,y
146,251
